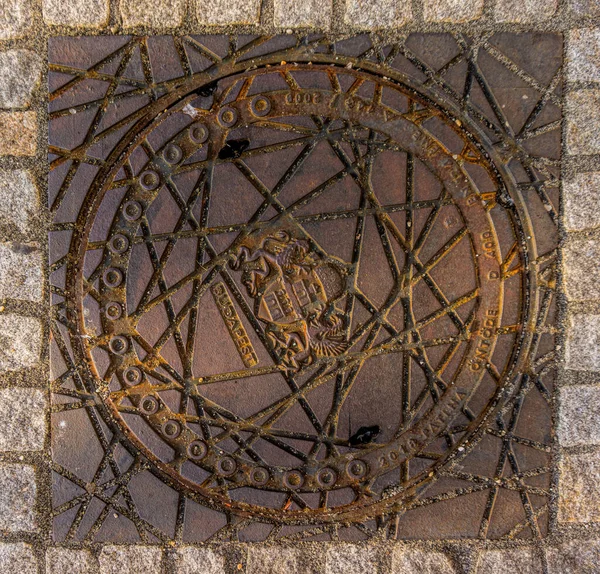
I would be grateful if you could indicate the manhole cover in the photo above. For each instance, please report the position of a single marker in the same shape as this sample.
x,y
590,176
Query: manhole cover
x,y
296,284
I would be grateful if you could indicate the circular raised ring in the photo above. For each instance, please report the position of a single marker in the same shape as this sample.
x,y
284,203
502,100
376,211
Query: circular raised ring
x,y
112,277
228,117
260,106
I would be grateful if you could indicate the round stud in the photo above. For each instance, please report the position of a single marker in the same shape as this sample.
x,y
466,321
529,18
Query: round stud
x,y
133,376
356,469
197,450
173,154
113,311
118,244
132,211
119,345
326,477
228,117
227,466
149,179
171,429
293,479
149,405
198,133
112,277
259,476
260,106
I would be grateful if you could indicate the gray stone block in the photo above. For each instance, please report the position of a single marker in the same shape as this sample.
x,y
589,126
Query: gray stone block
x,y
583,343
408,561
583,117
130,560
22,419
76,13
579,487
582,201
575,557
511,561
452,10
583,55
222,12
20,342
582,273
20,72
524,11
380,14
63,560
157,14
579,416
314,13
20,201
191,560
15,18
18,557
282,560
21,271
17,498
351,559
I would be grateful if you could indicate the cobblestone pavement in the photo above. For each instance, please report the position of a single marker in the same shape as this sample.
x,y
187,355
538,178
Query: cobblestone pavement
x,y
32,486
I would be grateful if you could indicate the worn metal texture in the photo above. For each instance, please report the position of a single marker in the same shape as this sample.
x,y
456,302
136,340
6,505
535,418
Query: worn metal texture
x,y
303,289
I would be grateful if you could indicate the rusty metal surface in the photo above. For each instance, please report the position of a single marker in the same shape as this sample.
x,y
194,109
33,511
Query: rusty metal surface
x,y
303,289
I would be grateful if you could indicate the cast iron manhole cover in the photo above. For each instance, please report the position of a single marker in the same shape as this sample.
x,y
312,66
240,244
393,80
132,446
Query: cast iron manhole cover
x,y
297,282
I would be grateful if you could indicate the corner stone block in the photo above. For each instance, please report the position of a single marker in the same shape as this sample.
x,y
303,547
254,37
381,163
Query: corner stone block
x,y
20,72
21,271
130,560
351,559
377,13
582,201
583,55
223,12
512,561
76,13
452,10
18,133
583,117
314,13
15,19
582,273
579,487
157,14
409,561
17,557
282,560
525,11
62,560
17,499
583,343
191,560
575,557
20,342
22,419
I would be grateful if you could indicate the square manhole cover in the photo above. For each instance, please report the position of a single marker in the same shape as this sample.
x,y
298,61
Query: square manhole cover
x,y
303,288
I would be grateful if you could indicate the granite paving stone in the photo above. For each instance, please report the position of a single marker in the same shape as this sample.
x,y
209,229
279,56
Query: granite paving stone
x,y
511,561
574,557
20,342
18,557
583,107
582,274
583,55
130,560
18,133
579,417
71,561
162,14
351,559
583,342
20,72
193,560
21,271
20,203
315,13
408,561
22,419
368,14
15,19
524,11
579,487
17,498
452,10
279,560
582,201
84,13
223,12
